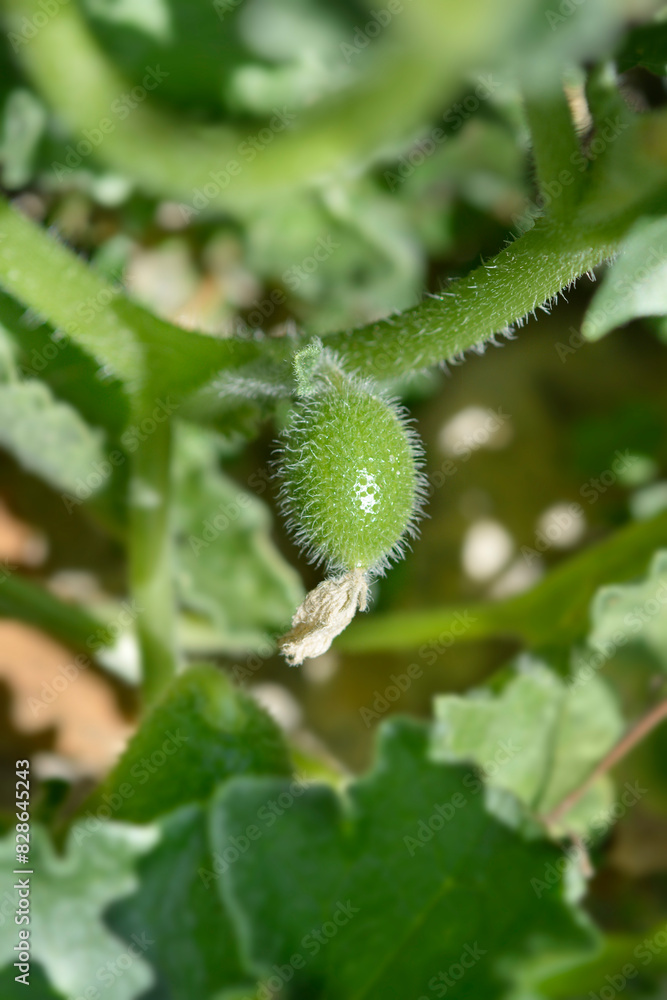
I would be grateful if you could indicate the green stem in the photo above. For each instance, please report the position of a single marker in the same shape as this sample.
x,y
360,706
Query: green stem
x,y
44,274
402,86
148,355
555,610
24,601
555,151
151,570
528,273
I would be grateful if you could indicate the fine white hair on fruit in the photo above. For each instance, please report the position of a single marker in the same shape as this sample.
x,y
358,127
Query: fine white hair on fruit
x,y
352,491
350,463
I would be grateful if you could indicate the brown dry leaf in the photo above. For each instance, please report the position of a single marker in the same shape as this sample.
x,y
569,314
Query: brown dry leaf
x,y
19,543
90,729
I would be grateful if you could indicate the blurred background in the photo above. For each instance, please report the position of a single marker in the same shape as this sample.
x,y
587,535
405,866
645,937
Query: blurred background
x,y
513,437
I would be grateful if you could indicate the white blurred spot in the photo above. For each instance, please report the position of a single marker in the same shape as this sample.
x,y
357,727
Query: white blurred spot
x,y
487,548
280,704
171,215
123,658
320,669
163,278
76,585
473,428
563,524
519,576
111,190
649,501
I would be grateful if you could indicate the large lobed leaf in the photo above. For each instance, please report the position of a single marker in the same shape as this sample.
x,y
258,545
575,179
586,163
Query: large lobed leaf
x,y
539,739
68,895
383,894
633,613
195,949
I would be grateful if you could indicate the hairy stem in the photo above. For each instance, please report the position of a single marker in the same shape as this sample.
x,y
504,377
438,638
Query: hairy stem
x,y
528,273
142,351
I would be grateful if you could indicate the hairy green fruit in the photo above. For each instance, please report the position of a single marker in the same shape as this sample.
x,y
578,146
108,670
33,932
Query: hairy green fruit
x,y
350,467
352,491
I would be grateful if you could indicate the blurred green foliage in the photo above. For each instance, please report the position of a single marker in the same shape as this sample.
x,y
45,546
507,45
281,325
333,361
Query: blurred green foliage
x,y
197,190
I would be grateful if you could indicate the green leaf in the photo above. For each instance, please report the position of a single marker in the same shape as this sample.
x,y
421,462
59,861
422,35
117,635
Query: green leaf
x,y
633,613
200,733
539,739
68,895
48,437
67,368
40,989
23,121
195,951
645,45
228,569
636,283
639,950
347,894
